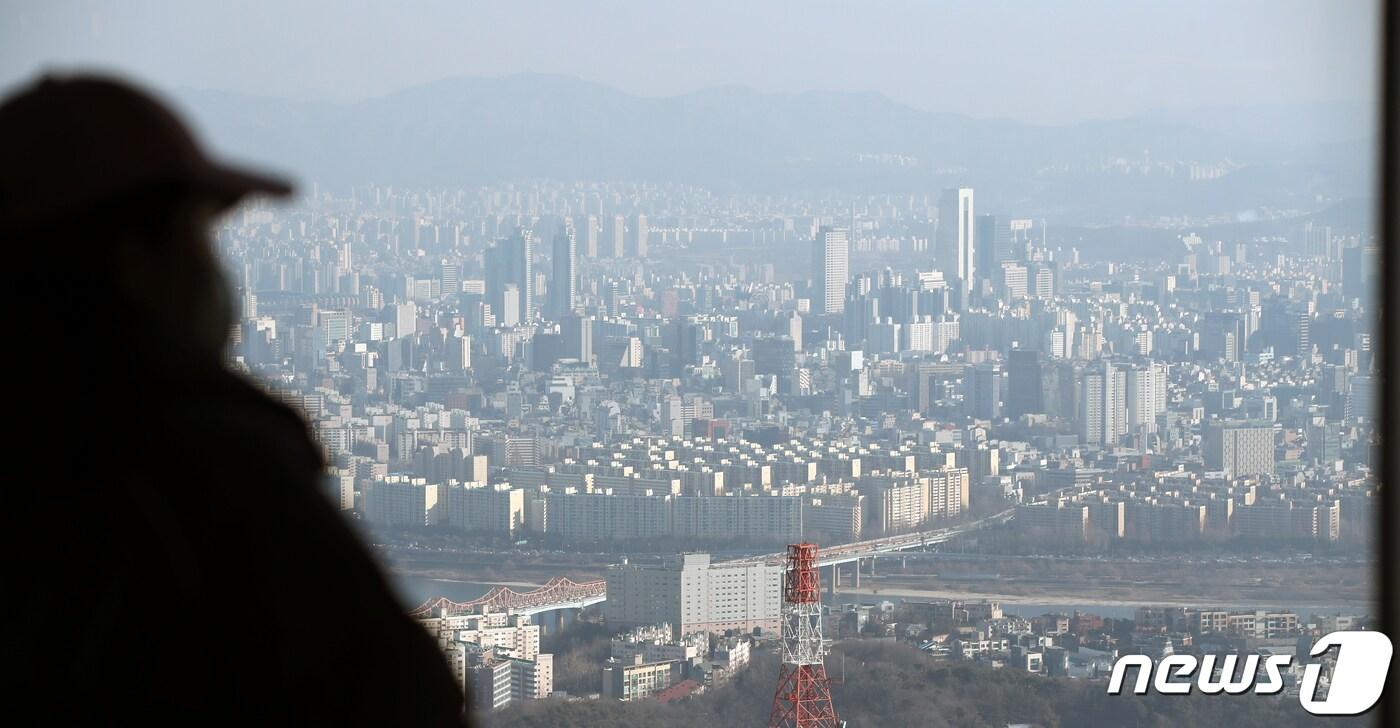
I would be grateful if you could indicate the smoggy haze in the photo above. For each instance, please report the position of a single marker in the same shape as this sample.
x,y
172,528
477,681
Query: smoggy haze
x,y
1040,62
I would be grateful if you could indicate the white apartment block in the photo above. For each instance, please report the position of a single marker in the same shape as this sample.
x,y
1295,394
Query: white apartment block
x,y
492,508
738,516
691,594
532,679
399,500
605,515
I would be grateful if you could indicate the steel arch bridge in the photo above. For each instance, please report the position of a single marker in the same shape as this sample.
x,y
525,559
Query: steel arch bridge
x,y
557,593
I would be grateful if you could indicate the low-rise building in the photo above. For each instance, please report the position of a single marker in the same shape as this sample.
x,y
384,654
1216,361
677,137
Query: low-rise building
x,y
638,680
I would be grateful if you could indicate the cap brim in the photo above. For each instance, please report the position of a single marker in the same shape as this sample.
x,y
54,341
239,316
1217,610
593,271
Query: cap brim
x,y
232,183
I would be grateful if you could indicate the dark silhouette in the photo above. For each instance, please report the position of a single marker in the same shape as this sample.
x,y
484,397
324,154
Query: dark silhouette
x,y
172,554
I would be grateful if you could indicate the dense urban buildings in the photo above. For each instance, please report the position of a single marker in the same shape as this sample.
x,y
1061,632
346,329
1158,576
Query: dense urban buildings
x,y
495,656
664,374
596,366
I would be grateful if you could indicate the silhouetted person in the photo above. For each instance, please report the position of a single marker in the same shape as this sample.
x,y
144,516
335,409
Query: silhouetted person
x,y
173,555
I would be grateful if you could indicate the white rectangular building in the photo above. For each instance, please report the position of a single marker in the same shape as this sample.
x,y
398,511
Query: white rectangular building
x,y
694,595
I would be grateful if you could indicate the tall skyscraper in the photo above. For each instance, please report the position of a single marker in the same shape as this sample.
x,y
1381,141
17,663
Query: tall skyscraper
x,y
564,286
496,265
525,270
794,329
993,236
685,346
1026,389
830,268
1146,395
639,247
955,246
591,227
510,271
509,313
405,319
984,396
1359,266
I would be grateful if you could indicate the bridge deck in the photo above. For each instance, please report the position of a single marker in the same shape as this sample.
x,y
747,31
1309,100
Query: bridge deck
x,y
846,553
557,593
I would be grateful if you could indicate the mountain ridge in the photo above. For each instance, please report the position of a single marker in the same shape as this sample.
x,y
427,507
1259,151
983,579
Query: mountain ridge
x,y
472,130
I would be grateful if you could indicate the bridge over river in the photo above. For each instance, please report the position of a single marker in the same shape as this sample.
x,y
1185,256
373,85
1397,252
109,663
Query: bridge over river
x,y
561,595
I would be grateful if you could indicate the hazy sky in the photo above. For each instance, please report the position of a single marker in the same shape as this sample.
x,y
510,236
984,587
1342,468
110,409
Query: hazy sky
x,y
1049,61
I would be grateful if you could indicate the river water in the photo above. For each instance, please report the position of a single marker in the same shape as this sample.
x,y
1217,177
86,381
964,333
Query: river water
x,y
414,590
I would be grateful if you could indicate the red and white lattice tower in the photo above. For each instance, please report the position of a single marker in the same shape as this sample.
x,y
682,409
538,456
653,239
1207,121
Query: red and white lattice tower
x,y
803,697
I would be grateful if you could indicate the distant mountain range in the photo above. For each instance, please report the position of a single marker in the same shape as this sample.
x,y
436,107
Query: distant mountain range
x,y
472,130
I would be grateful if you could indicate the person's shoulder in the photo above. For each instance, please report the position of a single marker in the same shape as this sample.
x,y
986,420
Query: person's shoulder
x,y
241,390
232,401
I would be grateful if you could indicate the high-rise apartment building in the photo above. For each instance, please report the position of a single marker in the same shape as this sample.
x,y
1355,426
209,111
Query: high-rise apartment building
x,y
401,501
523,267
831,252
1146,395
1103,411
487,678
482,507
617,237
640,235
590,232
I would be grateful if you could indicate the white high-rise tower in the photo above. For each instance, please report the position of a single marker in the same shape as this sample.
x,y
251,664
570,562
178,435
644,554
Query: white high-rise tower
x,y
831,252
955,247
1146,395
1103,411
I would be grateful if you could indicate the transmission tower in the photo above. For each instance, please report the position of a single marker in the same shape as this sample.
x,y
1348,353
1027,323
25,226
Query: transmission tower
x,y
803,697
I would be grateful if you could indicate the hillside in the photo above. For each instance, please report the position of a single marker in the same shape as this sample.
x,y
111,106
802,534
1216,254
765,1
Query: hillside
x,y
888,684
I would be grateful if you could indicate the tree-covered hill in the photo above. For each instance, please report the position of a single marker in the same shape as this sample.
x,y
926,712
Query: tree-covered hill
x,y
889,684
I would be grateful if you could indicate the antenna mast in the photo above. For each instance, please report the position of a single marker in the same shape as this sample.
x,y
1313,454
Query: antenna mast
x,y
803,696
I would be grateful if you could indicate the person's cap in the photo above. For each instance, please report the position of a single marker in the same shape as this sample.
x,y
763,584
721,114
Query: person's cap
x,y
67,145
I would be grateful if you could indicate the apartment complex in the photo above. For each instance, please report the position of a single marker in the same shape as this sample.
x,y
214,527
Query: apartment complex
x,y
494,655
